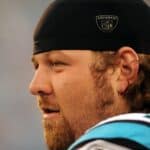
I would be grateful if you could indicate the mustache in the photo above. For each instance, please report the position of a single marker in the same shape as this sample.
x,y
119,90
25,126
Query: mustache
x,y
46,102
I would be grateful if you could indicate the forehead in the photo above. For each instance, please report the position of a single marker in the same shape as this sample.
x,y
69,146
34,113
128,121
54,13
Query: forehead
x,y
65,54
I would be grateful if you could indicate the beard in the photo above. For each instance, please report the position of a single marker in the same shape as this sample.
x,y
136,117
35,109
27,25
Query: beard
x,y
58,134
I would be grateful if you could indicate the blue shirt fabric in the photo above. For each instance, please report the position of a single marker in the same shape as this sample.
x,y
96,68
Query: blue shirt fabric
x,y
133,127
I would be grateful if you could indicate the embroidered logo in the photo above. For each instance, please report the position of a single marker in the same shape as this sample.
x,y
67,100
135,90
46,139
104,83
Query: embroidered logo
x,y
107,23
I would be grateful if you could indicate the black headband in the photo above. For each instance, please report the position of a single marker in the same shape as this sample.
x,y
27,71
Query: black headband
x,y
94,24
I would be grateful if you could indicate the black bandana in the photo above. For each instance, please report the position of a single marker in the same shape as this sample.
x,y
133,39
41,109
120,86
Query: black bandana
x,y
95,25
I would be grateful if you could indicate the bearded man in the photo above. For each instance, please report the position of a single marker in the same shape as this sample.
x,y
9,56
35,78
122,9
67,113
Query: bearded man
x,y
92,74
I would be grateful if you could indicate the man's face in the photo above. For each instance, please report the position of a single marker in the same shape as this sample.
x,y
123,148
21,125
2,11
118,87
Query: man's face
x,y
66,95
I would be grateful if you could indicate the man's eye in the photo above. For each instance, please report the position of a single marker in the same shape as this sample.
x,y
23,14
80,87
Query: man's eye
x,y
57,65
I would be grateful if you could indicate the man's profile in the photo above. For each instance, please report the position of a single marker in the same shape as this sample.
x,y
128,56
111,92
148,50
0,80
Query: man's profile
x,y
92,74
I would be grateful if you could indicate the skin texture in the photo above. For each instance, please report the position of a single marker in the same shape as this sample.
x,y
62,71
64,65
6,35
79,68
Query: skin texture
x,y
63,83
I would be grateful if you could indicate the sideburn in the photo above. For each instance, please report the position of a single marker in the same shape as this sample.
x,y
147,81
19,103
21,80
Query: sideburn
x,y
108,104
105,97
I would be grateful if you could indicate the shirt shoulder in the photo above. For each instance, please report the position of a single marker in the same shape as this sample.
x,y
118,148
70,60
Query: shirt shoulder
x,y
129,130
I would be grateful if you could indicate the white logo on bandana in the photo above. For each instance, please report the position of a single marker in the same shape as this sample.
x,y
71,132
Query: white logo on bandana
x,y
107,23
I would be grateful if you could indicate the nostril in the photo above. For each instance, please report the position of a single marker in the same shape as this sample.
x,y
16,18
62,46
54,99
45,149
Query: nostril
x,y
41,93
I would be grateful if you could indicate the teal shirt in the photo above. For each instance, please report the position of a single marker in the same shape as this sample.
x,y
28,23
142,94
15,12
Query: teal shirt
x,y
133,127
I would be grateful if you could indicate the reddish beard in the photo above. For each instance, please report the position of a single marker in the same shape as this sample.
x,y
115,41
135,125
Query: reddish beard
x,y
58,134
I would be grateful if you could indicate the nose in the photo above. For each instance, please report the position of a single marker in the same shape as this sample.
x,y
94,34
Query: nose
x,y
40,83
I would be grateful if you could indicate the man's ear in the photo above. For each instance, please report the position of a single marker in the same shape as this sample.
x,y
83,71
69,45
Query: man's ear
x,y
128,68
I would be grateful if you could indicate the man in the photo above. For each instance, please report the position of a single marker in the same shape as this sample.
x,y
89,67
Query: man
x,y
92,74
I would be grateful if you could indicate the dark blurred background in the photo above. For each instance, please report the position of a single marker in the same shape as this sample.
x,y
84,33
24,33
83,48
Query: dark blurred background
x,y
20,119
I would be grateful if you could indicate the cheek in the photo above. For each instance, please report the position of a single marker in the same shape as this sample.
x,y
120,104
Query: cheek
x,y
72,92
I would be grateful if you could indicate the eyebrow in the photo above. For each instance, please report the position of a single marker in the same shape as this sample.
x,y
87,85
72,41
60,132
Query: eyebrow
x,y
33,59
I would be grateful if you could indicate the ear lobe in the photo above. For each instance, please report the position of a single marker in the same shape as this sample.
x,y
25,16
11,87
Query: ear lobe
x,y
128,66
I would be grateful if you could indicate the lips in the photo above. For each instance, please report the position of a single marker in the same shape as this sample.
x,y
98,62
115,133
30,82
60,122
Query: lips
x,y
50,113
